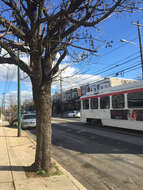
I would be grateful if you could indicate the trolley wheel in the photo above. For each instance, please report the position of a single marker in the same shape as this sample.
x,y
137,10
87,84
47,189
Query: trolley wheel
x,y
94,122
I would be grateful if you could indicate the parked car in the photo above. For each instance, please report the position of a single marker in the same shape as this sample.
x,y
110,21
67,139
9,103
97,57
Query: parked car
x,y
74,114
28,120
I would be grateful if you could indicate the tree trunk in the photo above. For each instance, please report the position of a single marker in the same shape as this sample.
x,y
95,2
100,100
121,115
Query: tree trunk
x,y
42,99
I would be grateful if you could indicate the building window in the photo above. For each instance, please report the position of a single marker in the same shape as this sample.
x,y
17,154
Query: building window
x,y
85,104
97,86
75,95
88,89
94,103
105,102
135,100
118,101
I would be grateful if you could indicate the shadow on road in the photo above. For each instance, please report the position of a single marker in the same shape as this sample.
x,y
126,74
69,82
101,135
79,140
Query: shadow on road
x,y
87,142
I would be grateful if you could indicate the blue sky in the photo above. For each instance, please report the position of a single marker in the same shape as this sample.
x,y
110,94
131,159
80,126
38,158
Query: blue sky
x,y
125,55
115,28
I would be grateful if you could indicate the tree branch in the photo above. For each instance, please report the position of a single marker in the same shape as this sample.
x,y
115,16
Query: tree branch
x,y
56,66
14,59
18,62
83,22
18,46
10,27
16,13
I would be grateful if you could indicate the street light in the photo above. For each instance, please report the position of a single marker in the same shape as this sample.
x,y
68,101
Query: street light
x,y
141,52
140,44
123,40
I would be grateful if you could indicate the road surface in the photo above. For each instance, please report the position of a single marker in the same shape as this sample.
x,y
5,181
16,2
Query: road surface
x,y
99,160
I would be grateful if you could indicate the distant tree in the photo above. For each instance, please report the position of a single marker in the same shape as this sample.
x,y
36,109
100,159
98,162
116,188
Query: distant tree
x,y
0,112
28,105
48,31
11,111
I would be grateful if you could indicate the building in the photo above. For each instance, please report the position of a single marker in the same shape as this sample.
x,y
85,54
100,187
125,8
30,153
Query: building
x,y
104,83
71,99
68,101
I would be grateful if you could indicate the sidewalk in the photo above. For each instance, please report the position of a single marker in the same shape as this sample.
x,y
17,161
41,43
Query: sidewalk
x,y
16,152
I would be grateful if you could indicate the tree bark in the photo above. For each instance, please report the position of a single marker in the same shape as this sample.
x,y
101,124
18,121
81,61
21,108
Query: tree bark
x,y
42,99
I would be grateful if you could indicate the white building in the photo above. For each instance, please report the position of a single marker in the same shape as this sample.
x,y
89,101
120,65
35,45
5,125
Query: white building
x,y
104,83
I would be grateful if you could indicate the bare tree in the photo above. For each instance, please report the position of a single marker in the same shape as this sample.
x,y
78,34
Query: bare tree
x,y
12,110
47,29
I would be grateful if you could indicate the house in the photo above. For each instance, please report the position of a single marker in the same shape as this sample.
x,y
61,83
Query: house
x,y
104,83
69,100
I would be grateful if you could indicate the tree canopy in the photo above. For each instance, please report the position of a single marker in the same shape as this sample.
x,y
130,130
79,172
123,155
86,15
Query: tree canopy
x,y
49,27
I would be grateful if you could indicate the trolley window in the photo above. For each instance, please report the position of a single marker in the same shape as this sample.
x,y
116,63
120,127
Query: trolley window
x,y
105,102
135,100
118,101
85,104
94,103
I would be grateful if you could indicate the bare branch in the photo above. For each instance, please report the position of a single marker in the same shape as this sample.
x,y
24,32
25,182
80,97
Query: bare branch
x,y
11,61
56,66
13,58
10,27
16,13
4,34
17,45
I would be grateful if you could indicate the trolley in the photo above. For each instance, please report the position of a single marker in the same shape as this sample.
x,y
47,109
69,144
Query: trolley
x,y
120,106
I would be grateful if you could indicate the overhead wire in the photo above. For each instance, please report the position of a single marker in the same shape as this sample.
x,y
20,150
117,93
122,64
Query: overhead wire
x,y
111,68
115,65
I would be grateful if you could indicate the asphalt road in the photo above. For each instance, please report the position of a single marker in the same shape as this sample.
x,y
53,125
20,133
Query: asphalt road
x,y
97,161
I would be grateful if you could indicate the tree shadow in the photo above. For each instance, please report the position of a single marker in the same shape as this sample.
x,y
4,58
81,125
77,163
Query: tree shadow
x,y
12,168
10,126
12,136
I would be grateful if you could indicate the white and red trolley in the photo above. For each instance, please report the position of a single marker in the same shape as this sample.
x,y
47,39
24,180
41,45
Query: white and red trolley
x,y
120,106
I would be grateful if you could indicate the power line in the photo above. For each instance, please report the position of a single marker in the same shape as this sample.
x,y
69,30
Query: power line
x,y
123,70
117,48
114,66
117,65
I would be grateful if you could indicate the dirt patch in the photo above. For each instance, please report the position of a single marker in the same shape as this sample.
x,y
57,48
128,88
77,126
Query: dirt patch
x,y
31,172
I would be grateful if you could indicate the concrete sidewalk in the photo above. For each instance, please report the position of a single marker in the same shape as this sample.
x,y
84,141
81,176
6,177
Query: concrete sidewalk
x,y
17,152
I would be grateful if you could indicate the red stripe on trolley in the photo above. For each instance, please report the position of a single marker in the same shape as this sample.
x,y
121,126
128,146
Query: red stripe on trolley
x,y
113,93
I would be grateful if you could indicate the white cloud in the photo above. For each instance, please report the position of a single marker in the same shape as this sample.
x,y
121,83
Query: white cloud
x,y
25,95
72,78
8,72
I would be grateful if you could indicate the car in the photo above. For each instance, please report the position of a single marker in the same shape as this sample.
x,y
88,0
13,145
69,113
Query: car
x,y
28,121
74,114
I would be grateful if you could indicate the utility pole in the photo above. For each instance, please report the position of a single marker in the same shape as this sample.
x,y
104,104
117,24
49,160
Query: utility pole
x,y
140,43
18,99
